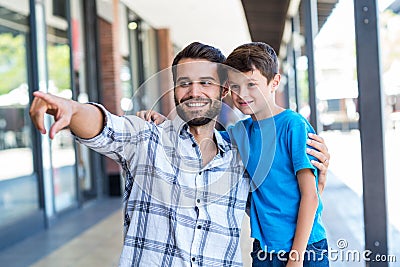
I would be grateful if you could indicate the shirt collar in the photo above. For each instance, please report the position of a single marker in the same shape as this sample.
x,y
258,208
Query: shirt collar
x,y
181,127
223,145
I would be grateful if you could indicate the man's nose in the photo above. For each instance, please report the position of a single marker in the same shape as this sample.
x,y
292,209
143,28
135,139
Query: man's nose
x,y
195,89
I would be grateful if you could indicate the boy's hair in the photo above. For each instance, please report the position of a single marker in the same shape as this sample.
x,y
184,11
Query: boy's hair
x,y
197,50
255,55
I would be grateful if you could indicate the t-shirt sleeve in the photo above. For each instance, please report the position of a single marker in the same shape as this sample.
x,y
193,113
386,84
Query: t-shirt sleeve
x,y
297,137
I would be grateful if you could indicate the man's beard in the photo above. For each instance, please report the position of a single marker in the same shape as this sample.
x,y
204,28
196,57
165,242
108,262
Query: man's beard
x,y
194,118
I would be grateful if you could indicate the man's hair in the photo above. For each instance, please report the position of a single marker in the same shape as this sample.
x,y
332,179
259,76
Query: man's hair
x,y
198,50
252,56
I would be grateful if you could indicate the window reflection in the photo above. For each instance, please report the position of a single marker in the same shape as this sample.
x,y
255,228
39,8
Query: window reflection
x,y
142,46
18,184
87,184
62,146
390,58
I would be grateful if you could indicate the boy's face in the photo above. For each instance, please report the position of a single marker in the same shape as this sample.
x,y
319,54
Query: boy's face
x,y
198,93
252,93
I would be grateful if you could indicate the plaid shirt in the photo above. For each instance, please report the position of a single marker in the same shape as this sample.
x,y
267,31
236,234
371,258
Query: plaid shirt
x,y
177,212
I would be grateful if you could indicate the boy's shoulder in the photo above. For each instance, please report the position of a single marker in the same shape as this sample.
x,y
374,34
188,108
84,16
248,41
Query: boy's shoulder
x,y
236,130
294,118
242,123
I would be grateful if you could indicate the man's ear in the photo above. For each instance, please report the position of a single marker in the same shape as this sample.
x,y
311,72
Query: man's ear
x,y
224,89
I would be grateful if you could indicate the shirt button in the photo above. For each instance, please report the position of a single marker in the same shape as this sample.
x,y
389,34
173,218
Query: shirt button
x,y
198,226
194,145
193,259
200,173
198,200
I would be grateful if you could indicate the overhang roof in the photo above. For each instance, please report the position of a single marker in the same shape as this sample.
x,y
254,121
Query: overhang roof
x,y
395,6
266,18
220,23
223,23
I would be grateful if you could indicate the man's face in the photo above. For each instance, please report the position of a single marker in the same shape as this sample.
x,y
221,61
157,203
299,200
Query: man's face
x,y
197,93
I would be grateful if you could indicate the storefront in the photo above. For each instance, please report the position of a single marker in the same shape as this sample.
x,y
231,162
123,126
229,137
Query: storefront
x,y
56,46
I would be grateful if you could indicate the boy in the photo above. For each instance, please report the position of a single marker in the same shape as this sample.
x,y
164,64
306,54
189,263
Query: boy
x,y
285,211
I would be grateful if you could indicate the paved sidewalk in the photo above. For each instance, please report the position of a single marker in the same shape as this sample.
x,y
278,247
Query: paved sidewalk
x,y
93,235
58,237
101,244
98,246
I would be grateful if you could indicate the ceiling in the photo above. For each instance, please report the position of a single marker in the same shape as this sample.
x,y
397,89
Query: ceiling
x,y
223,23
266,18
220,23
395,6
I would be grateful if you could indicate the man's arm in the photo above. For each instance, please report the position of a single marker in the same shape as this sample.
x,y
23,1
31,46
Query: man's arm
x,y
305,218
84,120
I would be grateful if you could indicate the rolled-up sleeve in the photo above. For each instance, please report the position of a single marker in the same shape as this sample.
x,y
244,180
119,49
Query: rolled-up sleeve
x,y
119,137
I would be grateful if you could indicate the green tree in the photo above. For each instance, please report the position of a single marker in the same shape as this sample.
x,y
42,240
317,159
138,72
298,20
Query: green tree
x,y
12,62
59,66
390,38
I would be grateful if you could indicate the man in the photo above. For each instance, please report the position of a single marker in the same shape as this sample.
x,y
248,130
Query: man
x,y
186,188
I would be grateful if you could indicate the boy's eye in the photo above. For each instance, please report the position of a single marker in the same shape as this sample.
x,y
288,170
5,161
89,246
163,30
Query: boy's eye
x,y
251,84
234,87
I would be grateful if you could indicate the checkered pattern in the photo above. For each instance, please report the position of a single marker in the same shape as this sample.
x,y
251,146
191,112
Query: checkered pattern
x,y
177,213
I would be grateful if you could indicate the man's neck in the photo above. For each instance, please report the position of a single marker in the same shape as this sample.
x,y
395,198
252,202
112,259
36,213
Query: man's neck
x,y
204,136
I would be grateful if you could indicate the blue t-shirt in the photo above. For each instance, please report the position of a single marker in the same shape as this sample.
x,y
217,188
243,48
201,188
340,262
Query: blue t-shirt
x,y
273,151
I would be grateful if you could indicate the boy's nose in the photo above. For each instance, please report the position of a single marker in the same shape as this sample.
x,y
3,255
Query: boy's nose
x,y
243,92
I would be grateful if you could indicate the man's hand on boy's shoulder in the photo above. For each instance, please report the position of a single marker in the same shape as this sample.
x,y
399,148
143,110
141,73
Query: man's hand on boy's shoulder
x,y
151,115
321,153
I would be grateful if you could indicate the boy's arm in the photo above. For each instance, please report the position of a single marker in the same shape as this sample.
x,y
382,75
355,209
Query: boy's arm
x,y
84,120
305,217
151,115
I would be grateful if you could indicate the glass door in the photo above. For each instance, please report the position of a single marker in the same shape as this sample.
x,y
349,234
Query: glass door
x,y
19,189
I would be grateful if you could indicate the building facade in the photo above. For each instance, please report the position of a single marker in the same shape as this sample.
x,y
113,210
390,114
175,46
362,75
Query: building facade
x,y
98,51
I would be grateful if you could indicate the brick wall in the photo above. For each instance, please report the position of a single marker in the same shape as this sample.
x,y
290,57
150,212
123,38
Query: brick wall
x,y
165,58
110,68
110,77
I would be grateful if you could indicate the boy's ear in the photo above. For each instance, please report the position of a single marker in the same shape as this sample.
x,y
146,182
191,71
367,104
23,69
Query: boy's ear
x,y
276,81
225,89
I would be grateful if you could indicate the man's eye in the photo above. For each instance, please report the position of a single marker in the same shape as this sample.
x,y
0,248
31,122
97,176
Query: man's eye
x,y
185,84
206,83
251,84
